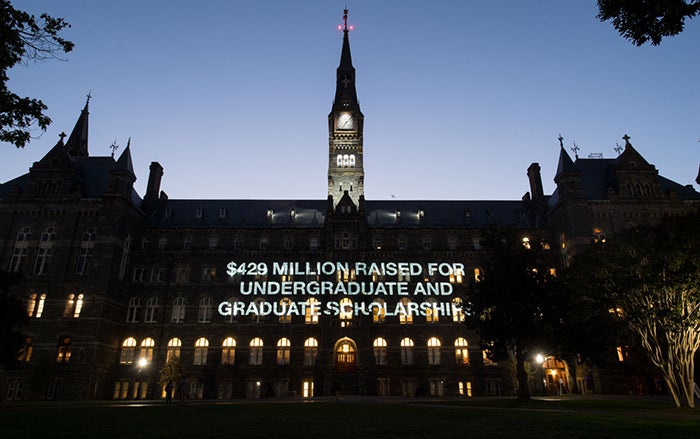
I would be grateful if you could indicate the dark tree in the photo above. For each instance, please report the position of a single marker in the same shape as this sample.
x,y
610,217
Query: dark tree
x,y
641,21
23,38
514,305
649,279
13,317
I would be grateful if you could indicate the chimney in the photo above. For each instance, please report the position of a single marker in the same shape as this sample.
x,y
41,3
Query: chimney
x,y
533,173
154,177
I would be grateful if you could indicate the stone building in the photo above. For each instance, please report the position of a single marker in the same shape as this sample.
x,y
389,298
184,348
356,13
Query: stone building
x,y
277,298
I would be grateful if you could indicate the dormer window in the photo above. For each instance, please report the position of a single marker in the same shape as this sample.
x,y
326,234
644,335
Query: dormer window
x,y
222,213
198,212
168,212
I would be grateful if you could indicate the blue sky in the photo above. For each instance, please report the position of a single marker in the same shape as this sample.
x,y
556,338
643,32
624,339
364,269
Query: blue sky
x,y
459,97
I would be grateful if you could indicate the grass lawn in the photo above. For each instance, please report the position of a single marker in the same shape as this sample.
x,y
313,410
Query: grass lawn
x,y
366,418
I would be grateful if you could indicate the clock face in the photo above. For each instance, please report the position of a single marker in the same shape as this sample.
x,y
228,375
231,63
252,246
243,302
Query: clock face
x,y
345,121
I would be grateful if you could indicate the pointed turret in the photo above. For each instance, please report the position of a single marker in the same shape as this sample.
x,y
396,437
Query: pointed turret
x,y
345,125
77,145
565,164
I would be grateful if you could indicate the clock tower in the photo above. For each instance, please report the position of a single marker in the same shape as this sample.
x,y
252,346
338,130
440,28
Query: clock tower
x,y
345,121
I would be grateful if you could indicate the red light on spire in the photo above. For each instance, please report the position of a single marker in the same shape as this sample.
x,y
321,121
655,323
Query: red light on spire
x,y
352,27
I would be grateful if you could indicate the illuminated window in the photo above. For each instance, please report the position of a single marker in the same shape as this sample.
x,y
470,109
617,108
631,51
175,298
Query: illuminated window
x,y
465,388
121,389
132,313
228,351
485,356
205,310
151,314
378,311
201,349
553,272
178,312
147,349
285,306
310,351
461,351
379,346
456,276
313,309
256,352
74,304
19,253
128,351
599,235
620,354
85,251
406,351
64,350
477,275
42,264
307,389
345,356
457,310
174,345
433,351
526,242
345,312
35,307
339,160
27,349
405,314
431,313
352,161
283,351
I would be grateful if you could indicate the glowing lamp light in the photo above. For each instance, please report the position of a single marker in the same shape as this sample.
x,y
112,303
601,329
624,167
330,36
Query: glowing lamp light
x,y
539,358
352,27
340,27
142,363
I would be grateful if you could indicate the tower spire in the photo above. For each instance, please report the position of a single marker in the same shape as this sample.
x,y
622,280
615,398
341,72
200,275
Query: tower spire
x,y
77,144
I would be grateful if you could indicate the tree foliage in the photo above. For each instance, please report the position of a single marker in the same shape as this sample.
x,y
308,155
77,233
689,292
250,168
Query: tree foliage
x,y
514,305
13,317
641,21
24,38
649,278
171,371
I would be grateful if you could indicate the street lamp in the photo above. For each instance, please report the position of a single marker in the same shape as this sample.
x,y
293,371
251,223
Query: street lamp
x,y
141,364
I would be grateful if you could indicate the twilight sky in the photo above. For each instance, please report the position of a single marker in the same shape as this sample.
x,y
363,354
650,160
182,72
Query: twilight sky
x,y
459,97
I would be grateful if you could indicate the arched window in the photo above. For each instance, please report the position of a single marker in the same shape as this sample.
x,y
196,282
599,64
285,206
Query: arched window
x,y
26,353
74,304
352,161
310,351
461,351
283,351
599,235
85,251
406,351
378,311
132,313
345,356
256,352
147,349
379,346
151,314
345,161
42,264
178,313
233,317
19,253
346,312
431,312
126,245
35,305
285,306
174,345
526,242
205,310
258,305
201,349
405,314
228,350
128,351
433,351
457,310
313,308
64,348
339,161
213,242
